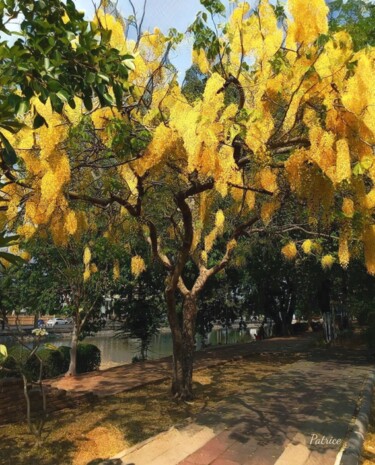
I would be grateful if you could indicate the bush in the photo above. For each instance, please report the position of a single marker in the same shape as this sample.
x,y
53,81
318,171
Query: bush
x,y
65,353
55,362
10,364
88,358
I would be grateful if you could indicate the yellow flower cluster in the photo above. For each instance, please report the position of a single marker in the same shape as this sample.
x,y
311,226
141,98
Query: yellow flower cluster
x,y
138,266
116,270
369,247
289,251
327,261
307,246
200,59
310,20
87,256
268,179
348,207
344,254
219,221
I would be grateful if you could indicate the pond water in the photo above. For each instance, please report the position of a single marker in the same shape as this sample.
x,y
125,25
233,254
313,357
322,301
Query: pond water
x,y
118,351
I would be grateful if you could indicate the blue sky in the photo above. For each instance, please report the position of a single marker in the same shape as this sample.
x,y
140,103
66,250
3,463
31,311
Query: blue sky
x,y
164,14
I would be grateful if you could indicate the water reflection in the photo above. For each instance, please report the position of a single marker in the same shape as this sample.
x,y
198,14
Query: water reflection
x,y
118,351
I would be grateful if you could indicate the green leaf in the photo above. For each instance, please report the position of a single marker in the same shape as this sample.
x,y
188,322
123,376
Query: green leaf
x,y
129,63
6,241
90,77
22,108
366,162
50,346
39,121
358,170
118,91
87,100
103,77
63,95
13,259
9,153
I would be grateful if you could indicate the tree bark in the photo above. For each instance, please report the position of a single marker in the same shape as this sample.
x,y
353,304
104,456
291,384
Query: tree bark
x,y
72,371
183,337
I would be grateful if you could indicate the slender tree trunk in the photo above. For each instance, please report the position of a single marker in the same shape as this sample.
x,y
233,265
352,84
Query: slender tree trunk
x,y
183,337
72,371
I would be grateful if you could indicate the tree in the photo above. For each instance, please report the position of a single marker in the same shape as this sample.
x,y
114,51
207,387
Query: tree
x,y
192,175
57,56
356,17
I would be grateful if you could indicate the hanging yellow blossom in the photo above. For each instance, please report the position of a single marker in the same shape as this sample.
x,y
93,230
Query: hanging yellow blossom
x,y
327,261
86,256
307,246
25,255
268,210
370,199
369,247
310,19
138,265
348,207
268,180
209,240
116,27
27,230
87,273
116,270
71,222
344,255
343,163
93,268
219,221
289,251
200,59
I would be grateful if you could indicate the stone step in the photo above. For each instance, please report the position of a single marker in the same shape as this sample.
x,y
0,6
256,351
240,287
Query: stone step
x,y
169,447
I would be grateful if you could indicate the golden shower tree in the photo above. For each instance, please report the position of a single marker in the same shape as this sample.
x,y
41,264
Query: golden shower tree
x,y
287,117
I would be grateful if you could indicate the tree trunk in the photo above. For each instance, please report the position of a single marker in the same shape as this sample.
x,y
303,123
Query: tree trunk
x,y
72,371
183,346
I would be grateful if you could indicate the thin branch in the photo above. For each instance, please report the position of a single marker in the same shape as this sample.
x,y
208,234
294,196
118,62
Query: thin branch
x,y
252,189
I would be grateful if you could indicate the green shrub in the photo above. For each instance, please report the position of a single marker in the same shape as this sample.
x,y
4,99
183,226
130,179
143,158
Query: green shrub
x,y
65,353
10,364
88,358
55,362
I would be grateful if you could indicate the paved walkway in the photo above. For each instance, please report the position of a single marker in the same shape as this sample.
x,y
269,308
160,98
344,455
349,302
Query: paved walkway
x,y
299,415
127,377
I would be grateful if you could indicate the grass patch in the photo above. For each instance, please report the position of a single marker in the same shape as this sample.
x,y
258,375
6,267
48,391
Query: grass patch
x,y
104,428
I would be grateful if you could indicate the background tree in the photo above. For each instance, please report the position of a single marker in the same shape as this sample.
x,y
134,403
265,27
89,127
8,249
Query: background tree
x,y
142,310
356,17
